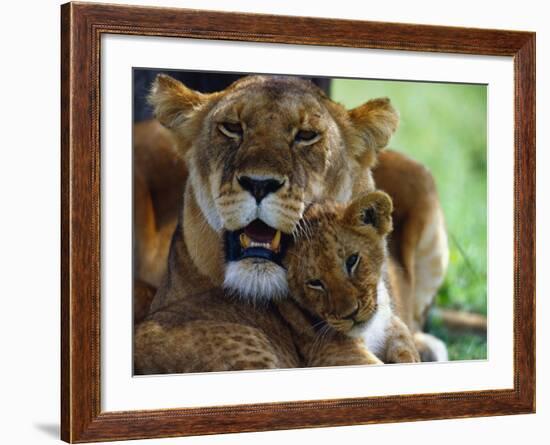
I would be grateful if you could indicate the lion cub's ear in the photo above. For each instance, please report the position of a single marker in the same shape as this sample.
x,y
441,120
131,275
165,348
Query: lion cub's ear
x,y
376,120
173,102
373,209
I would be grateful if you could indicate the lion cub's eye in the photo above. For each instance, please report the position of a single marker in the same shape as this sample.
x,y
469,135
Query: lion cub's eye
x,y
352,262
316,284
231,130
307,137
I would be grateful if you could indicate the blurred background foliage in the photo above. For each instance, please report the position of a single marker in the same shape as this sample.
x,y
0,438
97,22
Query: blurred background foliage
x,y
444,126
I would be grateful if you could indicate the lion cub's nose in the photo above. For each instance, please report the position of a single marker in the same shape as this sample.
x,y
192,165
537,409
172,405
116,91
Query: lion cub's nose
x,y
351,315
259,188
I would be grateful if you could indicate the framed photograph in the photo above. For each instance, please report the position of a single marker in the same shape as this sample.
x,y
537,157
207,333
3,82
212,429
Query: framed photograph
x,y
275,222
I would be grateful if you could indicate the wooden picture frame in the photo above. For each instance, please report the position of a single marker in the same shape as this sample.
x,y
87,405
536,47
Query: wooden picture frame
x,y
82,26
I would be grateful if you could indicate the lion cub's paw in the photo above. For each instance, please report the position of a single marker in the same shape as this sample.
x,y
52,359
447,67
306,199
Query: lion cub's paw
x,y
402,355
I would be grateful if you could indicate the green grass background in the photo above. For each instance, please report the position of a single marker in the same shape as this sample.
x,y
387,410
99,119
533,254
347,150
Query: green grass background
x,y
444,126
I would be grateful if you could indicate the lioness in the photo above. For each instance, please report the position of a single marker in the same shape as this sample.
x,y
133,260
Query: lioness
x,y
257,153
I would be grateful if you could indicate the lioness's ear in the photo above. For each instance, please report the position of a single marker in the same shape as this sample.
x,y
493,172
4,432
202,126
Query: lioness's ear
x,y
172,101
376,120
373,209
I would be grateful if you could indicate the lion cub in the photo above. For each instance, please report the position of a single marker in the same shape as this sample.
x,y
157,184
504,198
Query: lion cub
x,y
341,307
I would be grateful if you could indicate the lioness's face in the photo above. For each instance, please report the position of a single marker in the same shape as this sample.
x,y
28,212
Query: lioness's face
x,y
258,154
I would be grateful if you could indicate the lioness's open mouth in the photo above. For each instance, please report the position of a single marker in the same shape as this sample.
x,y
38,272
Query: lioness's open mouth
x,y
257,240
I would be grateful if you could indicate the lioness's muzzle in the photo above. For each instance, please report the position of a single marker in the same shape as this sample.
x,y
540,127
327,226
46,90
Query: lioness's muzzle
x,y
257,240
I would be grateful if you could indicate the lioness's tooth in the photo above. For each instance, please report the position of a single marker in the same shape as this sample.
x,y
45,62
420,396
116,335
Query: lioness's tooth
x,y
245,241
276,241
257,244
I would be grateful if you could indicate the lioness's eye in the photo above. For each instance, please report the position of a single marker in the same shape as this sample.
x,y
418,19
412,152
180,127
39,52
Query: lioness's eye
x,y
230,129
316,284
307,137
352,262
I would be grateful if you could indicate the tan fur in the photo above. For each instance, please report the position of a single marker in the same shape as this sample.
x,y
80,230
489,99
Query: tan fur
x,y
143,296
419,242
326,285
270,111
209,332
158,175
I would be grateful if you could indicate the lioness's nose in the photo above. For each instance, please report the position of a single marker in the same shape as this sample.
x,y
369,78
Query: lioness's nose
x,y
260,188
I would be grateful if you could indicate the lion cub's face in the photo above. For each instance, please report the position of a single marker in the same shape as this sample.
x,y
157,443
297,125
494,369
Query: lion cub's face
x,y
335,266
258,154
